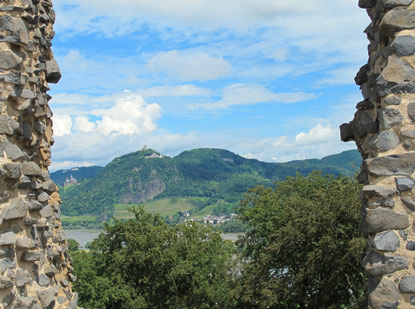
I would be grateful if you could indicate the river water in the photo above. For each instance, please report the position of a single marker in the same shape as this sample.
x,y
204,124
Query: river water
x,y
84,236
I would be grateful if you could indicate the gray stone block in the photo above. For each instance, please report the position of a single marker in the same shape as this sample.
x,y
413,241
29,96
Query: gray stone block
x,y
407,133
46,212
366,4
404,45
403,234
26,302
373,190
47,297
73,304
377,264
363,124
394,3
398,165
387,241
410,245
53,73
43,197
7,125
43,280
392,100
31,256
388,305
7,263
51,271
24,243
404,183
31,169
9,60
14,170
16,209
407,284
5,283
396,20
29,221
8,238
22,277
382,219
346,132
388,117
382,203
35,205
12,151
386,140
408,202
362,75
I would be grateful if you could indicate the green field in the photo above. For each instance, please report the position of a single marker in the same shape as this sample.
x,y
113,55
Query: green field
x,y
164,207
77,219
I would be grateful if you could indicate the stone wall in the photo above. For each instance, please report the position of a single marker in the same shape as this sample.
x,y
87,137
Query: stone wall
x,y
34,263
384,131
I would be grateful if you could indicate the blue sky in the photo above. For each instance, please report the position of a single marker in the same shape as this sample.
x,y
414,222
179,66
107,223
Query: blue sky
x,y
266,79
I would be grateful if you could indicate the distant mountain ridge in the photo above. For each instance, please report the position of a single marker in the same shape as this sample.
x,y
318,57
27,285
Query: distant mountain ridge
x,y
79,173
212,173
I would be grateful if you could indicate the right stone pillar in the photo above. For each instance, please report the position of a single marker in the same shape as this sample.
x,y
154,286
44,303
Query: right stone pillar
x,y
384,131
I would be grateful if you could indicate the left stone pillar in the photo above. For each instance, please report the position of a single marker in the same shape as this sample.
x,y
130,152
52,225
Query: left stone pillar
x,y
34,264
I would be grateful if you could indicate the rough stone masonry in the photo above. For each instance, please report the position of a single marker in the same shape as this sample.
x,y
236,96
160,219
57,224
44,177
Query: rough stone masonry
x,y
384,130
35,269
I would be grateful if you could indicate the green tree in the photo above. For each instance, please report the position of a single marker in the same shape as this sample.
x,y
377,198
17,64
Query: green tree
x,y
144,263
303,245
73,245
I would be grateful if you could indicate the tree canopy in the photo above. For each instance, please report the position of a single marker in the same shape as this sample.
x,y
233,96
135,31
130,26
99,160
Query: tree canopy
x,y
303,245
144,263
302,250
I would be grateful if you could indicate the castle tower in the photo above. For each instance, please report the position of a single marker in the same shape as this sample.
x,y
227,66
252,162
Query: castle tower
x,y
384,130
34,263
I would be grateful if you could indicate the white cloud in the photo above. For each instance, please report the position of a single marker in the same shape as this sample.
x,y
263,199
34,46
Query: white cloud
x,y
175,91
318,134
189,66
84,125
248,94
62,125
130,115
208,13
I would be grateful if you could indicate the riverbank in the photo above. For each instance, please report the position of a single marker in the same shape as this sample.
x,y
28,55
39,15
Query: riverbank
x,y
84,236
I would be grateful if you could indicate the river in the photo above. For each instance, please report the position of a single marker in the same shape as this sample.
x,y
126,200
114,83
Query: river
x,y
83,236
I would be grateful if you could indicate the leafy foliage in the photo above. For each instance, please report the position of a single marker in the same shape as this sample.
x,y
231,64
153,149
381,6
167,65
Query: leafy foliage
x,y
303,245
73,245
210,173
144,263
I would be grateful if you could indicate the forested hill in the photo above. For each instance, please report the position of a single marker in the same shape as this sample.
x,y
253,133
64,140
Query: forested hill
x,y
79,173
213,173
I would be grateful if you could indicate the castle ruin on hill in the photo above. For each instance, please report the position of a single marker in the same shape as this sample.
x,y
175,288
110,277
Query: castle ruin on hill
x,y
35,270
384,130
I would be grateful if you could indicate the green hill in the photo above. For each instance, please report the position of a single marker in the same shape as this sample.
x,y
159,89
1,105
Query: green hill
x,y
79,173
217,178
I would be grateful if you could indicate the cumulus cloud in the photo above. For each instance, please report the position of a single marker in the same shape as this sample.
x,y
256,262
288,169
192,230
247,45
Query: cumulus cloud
x,y
130,115
248,94
317,134
189,66
84,125
62,125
